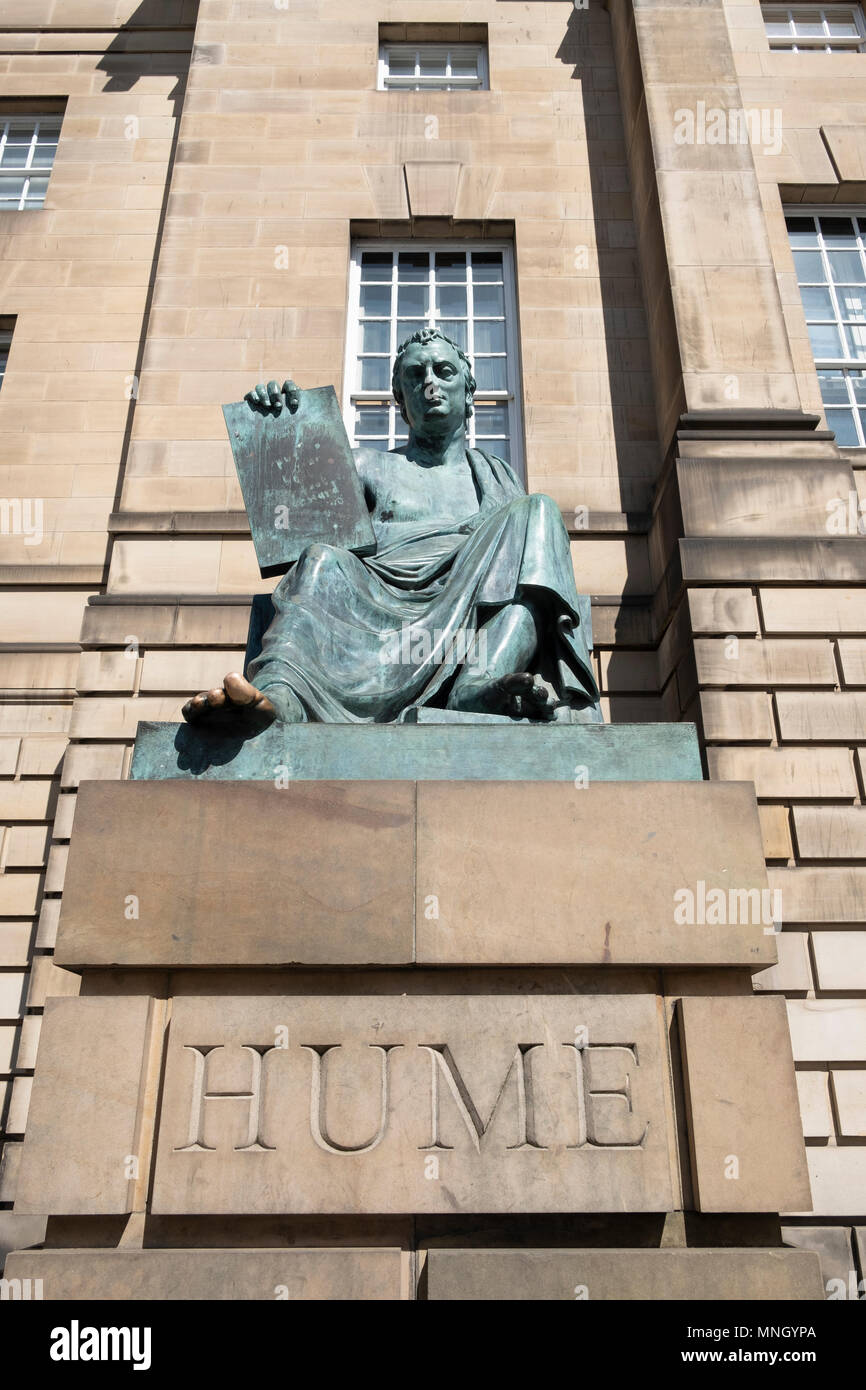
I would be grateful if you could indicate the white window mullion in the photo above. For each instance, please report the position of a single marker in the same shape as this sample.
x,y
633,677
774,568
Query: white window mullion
x,y
392,341
470,333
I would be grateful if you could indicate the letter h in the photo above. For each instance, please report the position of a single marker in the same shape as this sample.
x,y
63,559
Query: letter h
x,y
195,1142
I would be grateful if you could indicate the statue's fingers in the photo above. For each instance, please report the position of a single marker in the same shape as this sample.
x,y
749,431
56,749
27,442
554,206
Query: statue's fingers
x,y
292,394
275,398
215,698
261,395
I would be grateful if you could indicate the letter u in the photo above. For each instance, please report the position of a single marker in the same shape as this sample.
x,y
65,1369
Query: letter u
x,y
318,1101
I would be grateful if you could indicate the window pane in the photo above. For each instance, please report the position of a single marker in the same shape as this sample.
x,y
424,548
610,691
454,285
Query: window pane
x,y
858,382
432,64
825,340
847,265
489,301
36,190
852,303
401,65
43,156
413,267
375,301
11,189
451,300
486,266
371,420
855,338
777,28
464,67
450,266
490,373
376,265
406,327
809,266
489,336
375,374
842,28
501,448
456,330
809,27
834,388
802,231
17,150
380,444
837,231
375,337
491,419
842,422
817,303
412,300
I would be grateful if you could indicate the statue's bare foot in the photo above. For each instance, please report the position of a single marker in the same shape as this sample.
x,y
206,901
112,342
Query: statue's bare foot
x,y
523,696
519,695
236,699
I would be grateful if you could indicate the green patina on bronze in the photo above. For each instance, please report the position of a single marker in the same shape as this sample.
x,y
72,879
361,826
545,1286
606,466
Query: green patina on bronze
x,y
469,601
490,750
298,478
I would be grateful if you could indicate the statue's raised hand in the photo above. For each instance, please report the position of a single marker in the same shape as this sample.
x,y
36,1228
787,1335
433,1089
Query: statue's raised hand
x,y
274,397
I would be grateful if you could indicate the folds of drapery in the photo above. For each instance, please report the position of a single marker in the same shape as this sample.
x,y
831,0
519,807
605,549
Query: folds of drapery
x,y
368,640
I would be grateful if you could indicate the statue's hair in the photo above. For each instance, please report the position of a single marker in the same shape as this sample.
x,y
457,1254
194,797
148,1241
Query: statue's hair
x,y
426,335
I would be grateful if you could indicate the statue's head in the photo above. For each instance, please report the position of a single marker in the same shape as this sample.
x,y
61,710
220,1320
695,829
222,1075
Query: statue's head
x,y
432,382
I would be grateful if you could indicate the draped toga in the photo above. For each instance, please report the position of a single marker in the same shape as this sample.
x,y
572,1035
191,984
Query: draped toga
x,y
370,640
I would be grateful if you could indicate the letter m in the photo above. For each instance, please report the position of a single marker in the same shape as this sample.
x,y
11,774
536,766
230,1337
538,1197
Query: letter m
x,y
444,1066
744,906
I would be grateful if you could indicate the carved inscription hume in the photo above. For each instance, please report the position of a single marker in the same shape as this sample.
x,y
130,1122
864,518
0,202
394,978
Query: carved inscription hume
x,y
411,1104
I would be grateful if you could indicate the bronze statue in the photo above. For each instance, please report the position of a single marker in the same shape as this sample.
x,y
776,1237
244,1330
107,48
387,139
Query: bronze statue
x,y
469,602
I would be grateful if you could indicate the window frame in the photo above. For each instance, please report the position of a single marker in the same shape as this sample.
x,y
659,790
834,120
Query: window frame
x,y
386,83
825,43
510,395
28,169
845,365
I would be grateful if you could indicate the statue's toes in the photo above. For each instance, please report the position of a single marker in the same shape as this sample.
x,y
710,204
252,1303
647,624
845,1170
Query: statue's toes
x,y
238,689
517,683
194,708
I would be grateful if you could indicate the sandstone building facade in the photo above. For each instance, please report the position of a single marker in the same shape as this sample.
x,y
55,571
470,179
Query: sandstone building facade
x,y
647,223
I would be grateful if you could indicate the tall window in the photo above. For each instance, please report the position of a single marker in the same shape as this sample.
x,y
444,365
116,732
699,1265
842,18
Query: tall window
x,y
815,28
466,290
28,145
830,257
418,67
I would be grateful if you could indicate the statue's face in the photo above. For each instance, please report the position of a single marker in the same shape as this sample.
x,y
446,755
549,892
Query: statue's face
x,y
433,386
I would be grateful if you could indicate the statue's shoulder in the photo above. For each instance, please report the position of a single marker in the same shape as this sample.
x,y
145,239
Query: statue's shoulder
x,y
376,463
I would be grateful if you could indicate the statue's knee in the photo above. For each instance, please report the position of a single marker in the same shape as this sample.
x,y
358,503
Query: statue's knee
x,y
320,555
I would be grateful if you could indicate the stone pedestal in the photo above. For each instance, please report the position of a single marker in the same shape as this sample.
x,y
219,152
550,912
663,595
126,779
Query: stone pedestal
x,y
320,1018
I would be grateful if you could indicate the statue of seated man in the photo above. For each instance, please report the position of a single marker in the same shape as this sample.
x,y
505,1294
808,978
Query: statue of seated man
x,y
469,602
